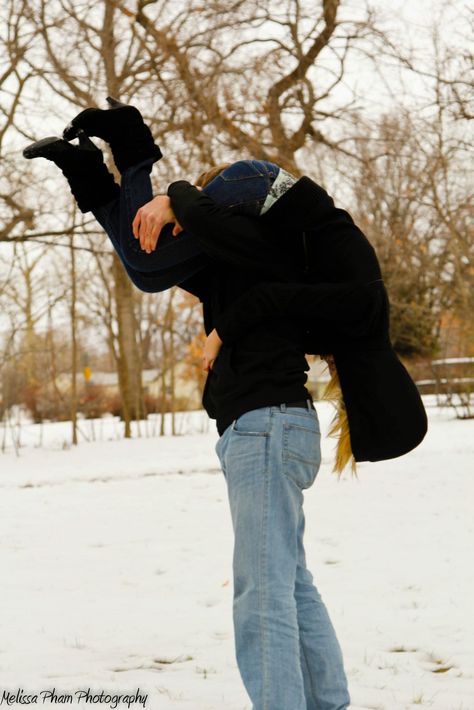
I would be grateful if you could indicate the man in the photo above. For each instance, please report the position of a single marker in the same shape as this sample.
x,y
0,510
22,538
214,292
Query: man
x,y
267,448
286,647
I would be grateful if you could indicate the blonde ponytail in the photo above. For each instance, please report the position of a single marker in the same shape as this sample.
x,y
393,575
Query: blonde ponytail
x,y
340,427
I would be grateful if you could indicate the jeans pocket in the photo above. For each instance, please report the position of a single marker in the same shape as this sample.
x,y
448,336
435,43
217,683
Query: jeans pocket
x,y
301,453
253,423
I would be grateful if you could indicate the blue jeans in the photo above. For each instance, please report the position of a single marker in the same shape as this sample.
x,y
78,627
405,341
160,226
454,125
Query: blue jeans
x,y
242,187
286,648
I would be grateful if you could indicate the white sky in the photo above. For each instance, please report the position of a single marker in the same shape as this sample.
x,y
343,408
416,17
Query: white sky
x,y
410,24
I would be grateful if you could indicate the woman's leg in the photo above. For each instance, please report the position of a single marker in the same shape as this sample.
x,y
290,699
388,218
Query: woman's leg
x,y
156,281
135,191
241,187
96,191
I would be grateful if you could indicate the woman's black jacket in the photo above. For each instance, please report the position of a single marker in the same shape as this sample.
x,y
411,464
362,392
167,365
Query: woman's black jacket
x,y
324,273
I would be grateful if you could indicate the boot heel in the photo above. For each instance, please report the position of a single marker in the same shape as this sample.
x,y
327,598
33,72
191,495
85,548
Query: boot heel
x,y
85,142
115,103
73,127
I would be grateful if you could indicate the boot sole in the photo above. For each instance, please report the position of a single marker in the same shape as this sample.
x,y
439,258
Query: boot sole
x,y
36,150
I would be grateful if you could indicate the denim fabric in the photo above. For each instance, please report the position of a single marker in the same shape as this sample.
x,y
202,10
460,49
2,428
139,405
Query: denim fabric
x,y
242,187
174,259
286,647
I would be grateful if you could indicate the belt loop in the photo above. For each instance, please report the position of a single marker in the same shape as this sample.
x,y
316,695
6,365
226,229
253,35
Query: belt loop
x,y
283,408
233,424
308,404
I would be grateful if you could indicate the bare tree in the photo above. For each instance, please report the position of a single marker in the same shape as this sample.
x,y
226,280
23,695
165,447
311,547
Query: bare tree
x,y
254,79
412,201
15,36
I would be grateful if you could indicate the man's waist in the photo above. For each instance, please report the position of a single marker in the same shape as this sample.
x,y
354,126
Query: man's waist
x,y
294,397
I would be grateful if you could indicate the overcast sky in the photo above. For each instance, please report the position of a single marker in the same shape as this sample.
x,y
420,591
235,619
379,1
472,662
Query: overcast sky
x,y
410,25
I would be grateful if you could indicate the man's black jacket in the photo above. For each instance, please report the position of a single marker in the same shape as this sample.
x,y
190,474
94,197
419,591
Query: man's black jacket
x,y
341,298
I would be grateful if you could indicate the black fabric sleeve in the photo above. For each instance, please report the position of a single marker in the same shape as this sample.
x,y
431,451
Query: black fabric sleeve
x,y
199,285
227,236
349,309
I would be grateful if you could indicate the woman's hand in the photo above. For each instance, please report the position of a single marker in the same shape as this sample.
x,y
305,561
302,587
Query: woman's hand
x,y
212,347
150,220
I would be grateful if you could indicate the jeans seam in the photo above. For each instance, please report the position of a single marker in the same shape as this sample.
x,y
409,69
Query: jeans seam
x,y
263,578
313,693
243,177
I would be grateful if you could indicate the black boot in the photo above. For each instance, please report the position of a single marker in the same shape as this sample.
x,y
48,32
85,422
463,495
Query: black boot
x,y
122,127
83,166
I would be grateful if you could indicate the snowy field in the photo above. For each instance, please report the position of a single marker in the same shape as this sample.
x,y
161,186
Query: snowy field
x,y
116,569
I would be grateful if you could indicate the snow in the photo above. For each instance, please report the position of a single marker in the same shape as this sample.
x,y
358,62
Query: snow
x,y
117,572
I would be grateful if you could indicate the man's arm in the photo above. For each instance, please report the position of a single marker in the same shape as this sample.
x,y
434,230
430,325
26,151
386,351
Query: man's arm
x,y
227,236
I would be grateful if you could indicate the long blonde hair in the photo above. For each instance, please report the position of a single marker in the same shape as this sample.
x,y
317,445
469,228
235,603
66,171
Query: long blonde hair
x,y
340,427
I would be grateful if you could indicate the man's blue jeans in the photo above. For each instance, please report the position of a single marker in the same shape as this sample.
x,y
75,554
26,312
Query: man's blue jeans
x,y
286,647
242,187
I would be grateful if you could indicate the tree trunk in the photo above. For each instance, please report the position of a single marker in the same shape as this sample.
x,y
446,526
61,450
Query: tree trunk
x,y
31,372
128,366
170,323
73,344
164,358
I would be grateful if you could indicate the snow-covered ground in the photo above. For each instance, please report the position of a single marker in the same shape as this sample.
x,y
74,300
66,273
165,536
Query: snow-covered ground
x,y
116,568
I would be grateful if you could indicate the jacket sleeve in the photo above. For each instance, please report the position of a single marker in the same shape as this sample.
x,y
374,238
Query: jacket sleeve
x,y
227,236
199,284
348,309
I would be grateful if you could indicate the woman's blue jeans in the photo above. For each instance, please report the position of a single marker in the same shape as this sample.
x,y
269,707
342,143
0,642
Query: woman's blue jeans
x,y
242,187
286,648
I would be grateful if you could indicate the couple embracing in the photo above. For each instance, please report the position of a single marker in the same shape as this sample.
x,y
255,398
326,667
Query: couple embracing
x,y
281,272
